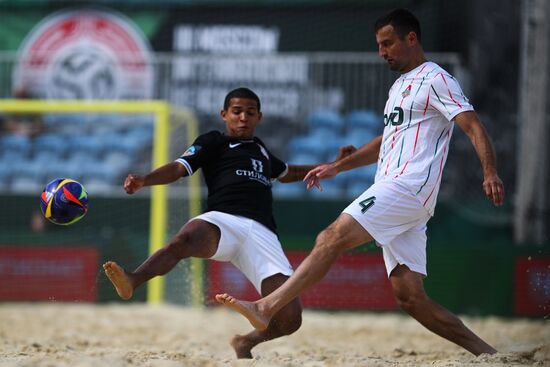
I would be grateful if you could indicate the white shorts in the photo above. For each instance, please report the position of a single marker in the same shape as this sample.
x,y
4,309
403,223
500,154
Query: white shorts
x,y
397,221
252,247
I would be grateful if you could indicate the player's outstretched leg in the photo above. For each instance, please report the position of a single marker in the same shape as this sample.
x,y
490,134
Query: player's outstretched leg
x,y
249,310
285,322
409,293
121,281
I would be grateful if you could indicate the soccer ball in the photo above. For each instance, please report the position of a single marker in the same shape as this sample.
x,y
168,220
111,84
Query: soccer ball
x,y
64,201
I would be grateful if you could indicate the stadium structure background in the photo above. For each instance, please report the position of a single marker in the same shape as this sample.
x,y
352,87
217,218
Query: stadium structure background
x,y
315,67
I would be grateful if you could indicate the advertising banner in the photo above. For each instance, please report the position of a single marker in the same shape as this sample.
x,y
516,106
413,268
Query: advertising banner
x,y
532,286
355,281
48,273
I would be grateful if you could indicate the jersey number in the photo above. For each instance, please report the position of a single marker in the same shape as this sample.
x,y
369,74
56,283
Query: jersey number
x,y
367,203
395,118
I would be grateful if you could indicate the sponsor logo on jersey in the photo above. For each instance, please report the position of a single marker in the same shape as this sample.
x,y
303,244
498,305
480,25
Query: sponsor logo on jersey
x,y
253,175
234,145
256,173
85,54
191,150
257,165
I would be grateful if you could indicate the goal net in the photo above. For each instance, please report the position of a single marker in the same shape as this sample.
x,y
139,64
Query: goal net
x,y
97,144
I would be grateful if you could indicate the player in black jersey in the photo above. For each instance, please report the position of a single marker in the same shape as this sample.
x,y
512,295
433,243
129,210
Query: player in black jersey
x,y
238,224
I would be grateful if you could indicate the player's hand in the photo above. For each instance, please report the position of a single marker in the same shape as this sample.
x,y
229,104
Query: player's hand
x,y
133,183
494,189
345,151
314,177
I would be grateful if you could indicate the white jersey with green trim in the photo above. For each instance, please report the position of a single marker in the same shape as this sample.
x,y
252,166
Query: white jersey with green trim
x,y
418,120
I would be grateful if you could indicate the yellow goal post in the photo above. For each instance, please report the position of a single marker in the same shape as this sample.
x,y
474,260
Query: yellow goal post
x,y
163,113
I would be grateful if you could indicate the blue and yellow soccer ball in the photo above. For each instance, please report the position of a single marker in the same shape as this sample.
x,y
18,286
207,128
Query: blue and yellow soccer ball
x,y
64,201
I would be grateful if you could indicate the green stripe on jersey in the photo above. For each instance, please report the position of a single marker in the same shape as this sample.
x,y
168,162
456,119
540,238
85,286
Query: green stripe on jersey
x,y
430,168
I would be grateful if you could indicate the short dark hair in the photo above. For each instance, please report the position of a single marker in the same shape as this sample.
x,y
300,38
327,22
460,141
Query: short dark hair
x,y
402,20
241,93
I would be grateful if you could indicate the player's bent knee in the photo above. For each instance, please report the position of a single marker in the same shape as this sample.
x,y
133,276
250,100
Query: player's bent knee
x,y
409,302
290,325
289,319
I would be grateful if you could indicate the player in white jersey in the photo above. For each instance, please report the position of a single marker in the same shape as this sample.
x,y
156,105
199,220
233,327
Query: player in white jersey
x,y
422,107
418,119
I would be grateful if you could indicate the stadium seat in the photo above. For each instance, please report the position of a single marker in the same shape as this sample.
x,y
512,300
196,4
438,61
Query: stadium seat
x,y
364,119
69,122
19,144
358,136
312,145
333,145
109,170
7,165
32,169
102,173
122,143
50,143
303,158
120,161
329,121
92,145
141,134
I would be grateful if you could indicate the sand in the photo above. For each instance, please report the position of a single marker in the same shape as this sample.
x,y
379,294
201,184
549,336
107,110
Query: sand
x,y
137,335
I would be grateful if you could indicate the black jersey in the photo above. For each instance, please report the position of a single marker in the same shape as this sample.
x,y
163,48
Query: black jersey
x,y
238,174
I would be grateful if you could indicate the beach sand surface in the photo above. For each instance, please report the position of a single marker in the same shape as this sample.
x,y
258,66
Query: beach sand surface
x,y
60,334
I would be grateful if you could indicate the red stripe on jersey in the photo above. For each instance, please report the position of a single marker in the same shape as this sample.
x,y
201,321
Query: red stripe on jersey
x,y
427,103
449,90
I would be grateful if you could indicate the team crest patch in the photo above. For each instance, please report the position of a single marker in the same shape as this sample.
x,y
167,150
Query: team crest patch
x,y
406,92
191,150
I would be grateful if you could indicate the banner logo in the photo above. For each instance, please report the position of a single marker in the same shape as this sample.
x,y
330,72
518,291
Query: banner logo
x,y
85,54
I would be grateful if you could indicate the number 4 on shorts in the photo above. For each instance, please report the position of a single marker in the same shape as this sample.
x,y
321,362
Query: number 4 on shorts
x,y
367,203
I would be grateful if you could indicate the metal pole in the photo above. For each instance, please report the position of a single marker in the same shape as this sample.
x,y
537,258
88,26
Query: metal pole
x,y
532,162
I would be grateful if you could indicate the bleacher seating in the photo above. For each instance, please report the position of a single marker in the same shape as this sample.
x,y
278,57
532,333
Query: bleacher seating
x,y
364,119
327,132
97,150
328,122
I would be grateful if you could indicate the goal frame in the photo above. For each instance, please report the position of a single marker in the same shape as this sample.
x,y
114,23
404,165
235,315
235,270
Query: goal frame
x,y
160,155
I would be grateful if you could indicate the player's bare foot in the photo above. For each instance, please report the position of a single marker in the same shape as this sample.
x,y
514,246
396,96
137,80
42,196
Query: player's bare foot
x,y
120,280
247,309
242,346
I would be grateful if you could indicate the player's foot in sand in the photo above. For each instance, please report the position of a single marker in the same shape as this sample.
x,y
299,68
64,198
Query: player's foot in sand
x,y
247,309
242,346
120,280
